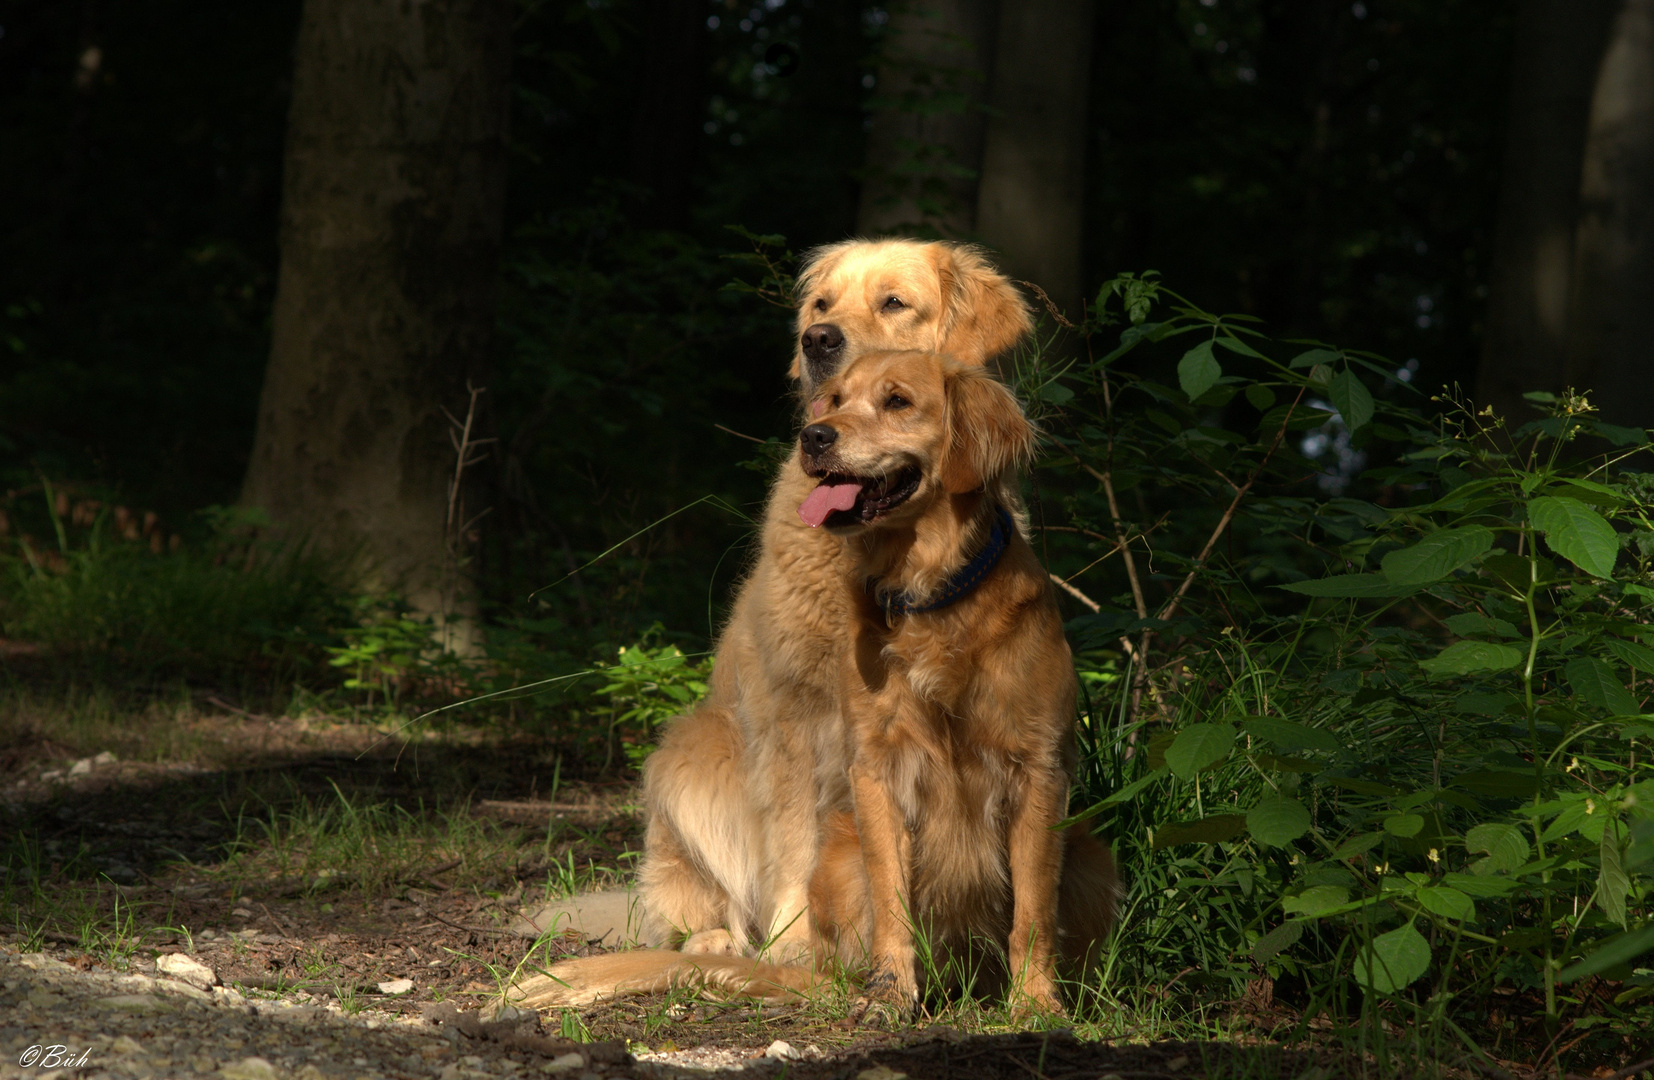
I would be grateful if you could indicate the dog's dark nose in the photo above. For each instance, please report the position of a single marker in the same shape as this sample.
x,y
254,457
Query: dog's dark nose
x,y
817,438
821,341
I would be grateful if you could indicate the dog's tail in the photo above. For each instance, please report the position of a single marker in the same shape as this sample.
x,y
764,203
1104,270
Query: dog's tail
x,y
656,971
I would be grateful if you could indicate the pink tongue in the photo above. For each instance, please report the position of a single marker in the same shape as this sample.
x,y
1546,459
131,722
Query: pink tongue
x,y
825,499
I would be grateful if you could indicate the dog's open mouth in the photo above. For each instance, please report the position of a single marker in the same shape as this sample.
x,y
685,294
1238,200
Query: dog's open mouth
x,y
850,500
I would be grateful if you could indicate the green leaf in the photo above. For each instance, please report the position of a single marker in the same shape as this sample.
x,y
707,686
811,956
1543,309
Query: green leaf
x,y
1055,393
1595,683
1393,960
1198,371
1286,735
1313,357
1576,532
1348,586
1353,401
1208,830
1316,900
1198,746
1471,885
1282,937
1236,345
1640,657
1359,844
1277,820
1437,555
1473,622
1464,657
1404,825
1504,843
1498,783
1613,884
1447,902
1260,396
1617,950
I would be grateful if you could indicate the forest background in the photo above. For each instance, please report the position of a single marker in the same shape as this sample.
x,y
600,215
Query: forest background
x,y
327,328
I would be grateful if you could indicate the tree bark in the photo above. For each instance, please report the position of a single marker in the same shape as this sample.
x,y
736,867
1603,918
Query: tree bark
x,y
1554,64
1031,203
1611,318
924,148
392,203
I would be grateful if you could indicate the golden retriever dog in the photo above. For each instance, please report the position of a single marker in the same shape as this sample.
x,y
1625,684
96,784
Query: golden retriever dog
x,y
738,791
957,694
745,791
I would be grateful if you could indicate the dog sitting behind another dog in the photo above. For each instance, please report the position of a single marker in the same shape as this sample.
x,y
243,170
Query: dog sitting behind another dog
x,y
958,691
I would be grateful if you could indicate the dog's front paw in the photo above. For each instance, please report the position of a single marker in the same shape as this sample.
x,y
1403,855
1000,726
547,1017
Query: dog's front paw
x,y
719,942
1029,1005
887,1000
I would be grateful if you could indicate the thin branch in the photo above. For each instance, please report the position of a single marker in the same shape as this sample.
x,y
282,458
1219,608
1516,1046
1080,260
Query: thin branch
x,y
1076,593
1229,514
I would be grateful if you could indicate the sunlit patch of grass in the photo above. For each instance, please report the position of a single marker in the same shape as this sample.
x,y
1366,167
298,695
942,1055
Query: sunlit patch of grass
x,y
87,719
356,846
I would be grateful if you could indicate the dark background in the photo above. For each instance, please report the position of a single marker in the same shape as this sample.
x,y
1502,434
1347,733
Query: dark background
x,y
1330,168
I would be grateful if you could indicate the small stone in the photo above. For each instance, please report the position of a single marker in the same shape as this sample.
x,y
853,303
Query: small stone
x,y
174,986
81,767
564,1063
188,969
44,999
50,775
126,1044
104,758
396,987
250,1068
1176,1063
139,1004
242,913
780,1050
880,1072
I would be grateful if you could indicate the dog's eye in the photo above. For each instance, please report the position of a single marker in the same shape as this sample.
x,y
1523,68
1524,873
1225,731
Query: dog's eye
x,y
894,304
821,305
896,401
835,401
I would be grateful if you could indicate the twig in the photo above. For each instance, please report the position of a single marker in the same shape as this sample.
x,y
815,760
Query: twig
x,y
429,914
1229,514
739,435
227,707
1623,1074
1050,305
1076,594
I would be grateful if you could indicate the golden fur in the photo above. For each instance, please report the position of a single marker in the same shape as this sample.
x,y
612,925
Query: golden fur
x,y
749,843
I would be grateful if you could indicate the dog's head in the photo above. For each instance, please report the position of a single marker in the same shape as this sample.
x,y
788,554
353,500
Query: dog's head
x,y
866,295
894,432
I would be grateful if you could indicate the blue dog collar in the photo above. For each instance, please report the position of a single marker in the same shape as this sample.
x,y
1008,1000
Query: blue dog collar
x,y
960,584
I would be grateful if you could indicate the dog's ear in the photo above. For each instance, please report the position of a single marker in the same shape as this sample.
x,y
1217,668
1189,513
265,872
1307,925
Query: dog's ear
x,y
817,264
988,435
984,315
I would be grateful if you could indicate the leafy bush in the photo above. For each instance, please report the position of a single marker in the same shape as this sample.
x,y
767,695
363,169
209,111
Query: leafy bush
x,y
108,589
1390,747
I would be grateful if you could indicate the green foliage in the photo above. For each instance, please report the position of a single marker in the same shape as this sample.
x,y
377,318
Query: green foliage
x,y
647,684
1393,748
100,591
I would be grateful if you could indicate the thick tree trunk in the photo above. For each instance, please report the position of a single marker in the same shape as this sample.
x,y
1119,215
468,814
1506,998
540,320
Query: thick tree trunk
x,y
1030,206
1557,52
1611,318
391,213
924,149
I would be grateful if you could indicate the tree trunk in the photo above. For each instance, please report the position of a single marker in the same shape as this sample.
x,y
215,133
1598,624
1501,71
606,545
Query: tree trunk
x,y
1031,205
1611,319
392,200
1554,64
924,149
671,106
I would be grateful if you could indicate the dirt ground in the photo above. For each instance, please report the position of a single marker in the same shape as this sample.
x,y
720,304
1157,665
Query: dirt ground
x,y
322,865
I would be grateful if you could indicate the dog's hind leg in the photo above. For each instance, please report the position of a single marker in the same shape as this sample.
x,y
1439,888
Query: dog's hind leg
x,y
1086,898
699,872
